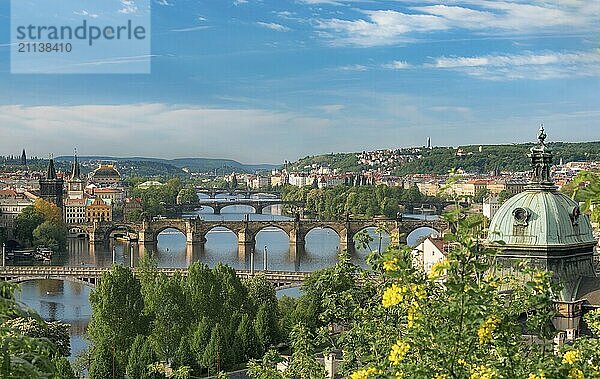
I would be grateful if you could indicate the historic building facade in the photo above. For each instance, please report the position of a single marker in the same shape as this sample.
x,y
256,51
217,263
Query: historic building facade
x,y
546,229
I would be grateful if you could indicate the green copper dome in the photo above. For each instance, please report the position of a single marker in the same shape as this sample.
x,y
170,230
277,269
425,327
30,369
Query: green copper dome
x,y
543,218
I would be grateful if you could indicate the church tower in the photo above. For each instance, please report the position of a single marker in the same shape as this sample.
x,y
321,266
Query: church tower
x,y
23,158
51,187
75,185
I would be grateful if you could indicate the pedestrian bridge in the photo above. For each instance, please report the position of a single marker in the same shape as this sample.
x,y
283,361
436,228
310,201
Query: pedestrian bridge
x,y
92,275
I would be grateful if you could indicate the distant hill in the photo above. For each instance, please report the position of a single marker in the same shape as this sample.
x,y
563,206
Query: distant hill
x,y
440,160
168,166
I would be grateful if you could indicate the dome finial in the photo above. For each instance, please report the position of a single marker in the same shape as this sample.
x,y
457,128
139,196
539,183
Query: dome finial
x,y
542,136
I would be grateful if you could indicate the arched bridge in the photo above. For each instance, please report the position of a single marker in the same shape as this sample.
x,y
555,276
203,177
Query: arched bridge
x,y
246,231
92,275
217,206
213,192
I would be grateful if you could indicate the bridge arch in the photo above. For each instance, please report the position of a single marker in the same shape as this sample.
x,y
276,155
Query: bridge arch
x,y
156,231
323,227
413,237
118,227
88,282
268,226
253,208
76,232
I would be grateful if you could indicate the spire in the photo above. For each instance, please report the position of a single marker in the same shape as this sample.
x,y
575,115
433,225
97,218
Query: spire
x,y
23,158
76,172
541,161
51,173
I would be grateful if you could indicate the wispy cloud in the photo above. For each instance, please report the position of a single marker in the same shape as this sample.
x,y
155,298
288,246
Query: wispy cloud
x,y
273,26
128,7
445,108
331,108
239,2
353,67
397,65
192,130
537,66
86,14
388,27
191,29
164,3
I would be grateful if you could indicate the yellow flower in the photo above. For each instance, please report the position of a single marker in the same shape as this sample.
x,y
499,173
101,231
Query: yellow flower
x,y
440,376
575,373
571,356
391,265
482,372
392,296
539,375
461,361
438,269
399,350
487,328
418,291
413,315
364,373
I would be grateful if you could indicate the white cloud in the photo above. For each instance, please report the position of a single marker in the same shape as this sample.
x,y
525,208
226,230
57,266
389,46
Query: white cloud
x,y
353,67
273,26
165,3
537,66
445,108
191,29
86,13
129,7
239,2
159,130
388,27
397,65
331,108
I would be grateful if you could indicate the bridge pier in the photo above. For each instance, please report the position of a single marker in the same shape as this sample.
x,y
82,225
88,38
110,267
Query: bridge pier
x,y
347,241
246,243
195,238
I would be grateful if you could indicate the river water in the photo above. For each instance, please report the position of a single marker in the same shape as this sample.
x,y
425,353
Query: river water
x,y
68,302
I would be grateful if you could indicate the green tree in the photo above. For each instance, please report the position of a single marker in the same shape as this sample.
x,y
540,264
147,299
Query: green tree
x,y
50,211
214,350
51,235
266,326
171,316
26,222
105,364
141,356
117,316
247,340
188,196
63,368
21,355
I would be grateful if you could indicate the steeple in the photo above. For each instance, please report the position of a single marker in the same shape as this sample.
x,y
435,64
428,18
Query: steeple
x,y
541,161
51,172
76,172
23,158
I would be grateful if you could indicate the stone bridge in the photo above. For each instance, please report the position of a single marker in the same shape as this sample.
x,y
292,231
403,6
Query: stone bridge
x,y
434,206
91,275
246,231
217,206
213,192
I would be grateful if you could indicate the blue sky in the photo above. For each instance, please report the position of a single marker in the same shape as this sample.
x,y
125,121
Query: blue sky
x,y
265,81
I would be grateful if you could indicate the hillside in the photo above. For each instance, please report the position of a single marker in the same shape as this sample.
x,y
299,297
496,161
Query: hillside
x,y
440,160
155,166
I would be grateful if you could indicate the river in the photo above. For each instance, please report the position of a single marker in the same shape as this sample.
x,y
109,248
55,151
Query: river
x,y
68,302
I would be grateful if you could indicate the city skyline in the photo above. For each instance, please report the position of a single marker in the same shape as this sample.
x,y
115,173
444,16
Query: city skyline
x,y
268,81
